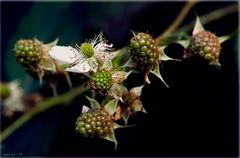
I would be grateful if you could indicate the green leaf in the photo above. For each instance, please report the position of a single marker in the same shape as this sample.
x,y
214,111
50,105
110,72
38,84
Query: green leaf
x,y
111,106
198,26
112,138
93,103
156,72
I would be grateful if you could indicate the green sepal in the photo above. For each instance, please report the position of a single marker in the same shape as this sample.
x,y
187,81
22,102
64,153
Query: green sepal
x,y
121,58
184,43
52,44
227,37
156,72
120,76
125,116
216,63
115,91
107,65
224,38
134,34
111,137
48,64
93,103
198,26
116,126
176,36
111,106
137,90
93,63
164,57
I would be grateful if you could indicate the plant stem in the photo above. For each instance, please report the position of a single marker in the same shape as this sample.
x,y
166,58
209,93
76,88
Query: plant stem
x,y
43,106
178,21
214,15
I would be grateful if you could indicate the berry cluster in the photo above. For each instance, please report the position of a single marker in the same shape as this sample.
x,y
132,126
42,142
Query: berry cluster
x,y
95,123
145,52
101,80
205,44
28,52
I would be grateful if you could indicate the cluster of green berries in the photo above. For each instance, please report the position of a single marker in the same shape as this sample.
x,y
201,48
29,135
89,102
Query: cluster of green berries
x,y
206,45
101,80
144,49
95,123
28,52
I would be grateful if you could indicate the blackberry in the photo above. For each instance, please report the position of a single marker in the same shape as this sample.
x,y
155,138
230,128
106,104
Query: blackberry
x,y
144,49
95,123
206,45
28,52
101,80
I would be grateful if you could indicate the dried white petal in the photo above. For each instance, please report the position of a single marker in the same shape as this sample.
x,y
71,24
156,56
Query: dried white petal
x,y
85,109
80,67
65,55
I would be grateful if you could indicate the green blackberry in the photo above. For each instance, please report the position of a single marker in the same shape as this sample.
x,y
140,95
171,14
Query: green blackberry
x,y
101,80
28,52
206,45
144,49
95,123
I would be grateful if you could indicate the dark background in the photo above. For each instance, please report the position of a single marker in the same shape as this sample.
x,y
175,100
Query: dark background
x,y
196,116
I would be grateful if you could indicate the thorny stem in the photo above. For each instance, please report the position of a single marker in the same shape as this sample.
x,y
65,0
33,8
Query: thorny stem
x,y
43,106
214,15
178,20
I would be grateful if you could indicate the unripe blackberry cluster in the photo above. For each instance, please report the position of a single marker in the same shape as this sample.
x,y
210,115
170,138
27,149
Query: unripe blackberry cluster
x,y
101,80
205,44
28,52
145,52
95,123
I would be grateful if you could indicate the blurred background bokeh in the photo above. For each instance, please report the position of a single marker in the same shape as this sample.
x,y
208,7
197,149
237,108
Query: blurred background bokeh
x,y
196,116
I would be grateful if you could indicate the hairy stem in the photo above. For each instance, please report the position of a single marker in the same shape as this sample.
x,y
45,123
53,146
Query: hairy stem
x,y
214,15
43,106
177,21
